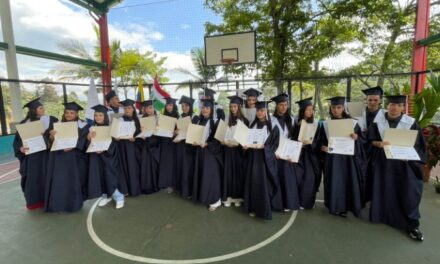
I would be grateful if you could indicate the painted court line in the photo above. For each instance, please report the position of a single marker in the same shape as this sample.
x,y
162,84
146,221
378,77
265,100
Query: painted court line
x,y
131,257
7,173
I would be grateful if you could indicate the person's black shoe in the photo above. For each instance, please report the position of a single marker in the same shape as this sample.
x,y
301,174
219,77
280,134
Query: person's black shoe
x,y
416,234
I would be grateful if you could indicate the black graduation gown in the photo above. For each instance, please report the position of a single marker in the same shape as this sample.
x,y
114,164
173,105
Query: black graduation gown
x,y
234,170
105,174
261,183
208,169
288,174
167,163
396,185
311,176
128,154
66,177
185,162
343,177
33,170
149,150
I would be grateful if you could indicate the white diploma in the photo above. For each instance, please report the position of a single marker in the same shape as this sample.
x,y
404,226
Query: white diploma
x,y
289,149
122,129
341,145
251,138
66,135
148,126
196,134
340,140
102,139
31,136
229,136
355,109
307,132
402,143
220,133
165,126
182,126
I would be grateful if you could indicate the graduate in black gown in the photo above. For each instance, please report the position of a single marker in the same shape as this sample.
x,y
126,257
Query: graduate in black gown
x,y
149,150
67,168
209,162
218,110
251,99
397,185
33,167
261,182
128,152
167,175
106,179
343,175
309,159
288,173
185,153
233,172
371,113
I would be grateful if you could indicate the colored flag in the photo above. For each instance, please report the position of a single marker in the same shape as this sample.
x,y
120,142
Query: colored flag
x,y
158,95
140,95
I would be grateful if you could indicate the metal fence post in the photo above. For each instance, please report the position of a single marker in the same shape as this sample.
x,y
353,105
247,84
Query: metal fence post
x,y
65,93
289,92
191,90
2,113
348,89
237,87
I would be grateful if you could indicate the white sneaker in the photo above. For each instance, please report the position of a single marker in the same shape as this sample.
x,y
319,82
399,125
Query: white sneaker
x,y
301,208
237,204
251,214
227,204
104,202
119,204
286,210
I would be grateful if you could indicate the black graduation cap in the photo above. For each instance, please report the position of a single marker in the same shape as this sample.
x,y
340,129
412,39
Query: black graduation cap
x,y
373,91
207,102
72,106
235,99
304,102
33,104
252,92
147,103
209,92
110,95
337,100
127,102
100,108
282,97
186,100
170,100
262,104
397,99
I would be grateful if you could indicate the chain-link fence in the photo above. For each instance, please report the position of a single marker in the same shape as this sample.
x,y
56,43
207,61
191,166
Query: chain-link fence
x,y
53,94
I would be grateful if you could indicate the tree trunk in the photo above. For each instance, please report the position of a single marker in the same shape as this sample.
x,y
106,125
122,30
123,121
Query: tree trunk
x,y
388,54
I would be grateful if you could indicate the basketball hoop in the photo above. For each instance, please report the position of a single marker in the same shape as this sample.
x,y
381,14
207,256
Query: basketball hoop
x,y
228,61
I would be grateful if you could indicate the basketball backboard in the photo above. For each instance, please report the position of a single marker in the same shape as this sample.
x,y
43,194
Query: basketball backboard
x,y
233,48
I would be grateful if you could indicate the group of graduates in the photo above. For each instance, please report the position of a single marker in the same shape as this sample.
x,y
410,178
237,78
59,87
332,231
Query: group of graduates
x,y
213,173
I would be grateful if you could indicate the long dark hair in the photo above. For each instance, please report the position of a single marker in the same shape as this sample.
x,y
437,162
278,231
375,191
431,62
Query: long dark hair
x,y
344,114
31,115
106,120
135,118
173,113
267,122
63,118
287,118
191,111
233,118
301,114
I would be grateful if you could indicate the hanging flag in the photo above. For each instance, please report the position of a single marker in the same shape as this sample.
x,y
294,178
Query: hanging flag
x,y
158,95
140,95
92,100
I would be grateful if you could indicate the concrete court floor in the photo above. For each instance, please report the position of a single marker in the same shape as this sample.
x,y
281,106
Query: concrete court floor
x,y
166,226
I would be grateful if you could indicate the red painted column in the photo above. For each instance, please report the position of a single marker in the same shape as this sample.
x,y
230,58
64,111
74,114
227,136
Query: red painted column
x,y
105,53
420,52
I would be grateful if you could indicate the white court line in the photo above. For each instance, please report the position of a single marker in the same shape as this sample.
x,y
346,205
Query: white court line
x,y
131,257
11,180
9,162
7,173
